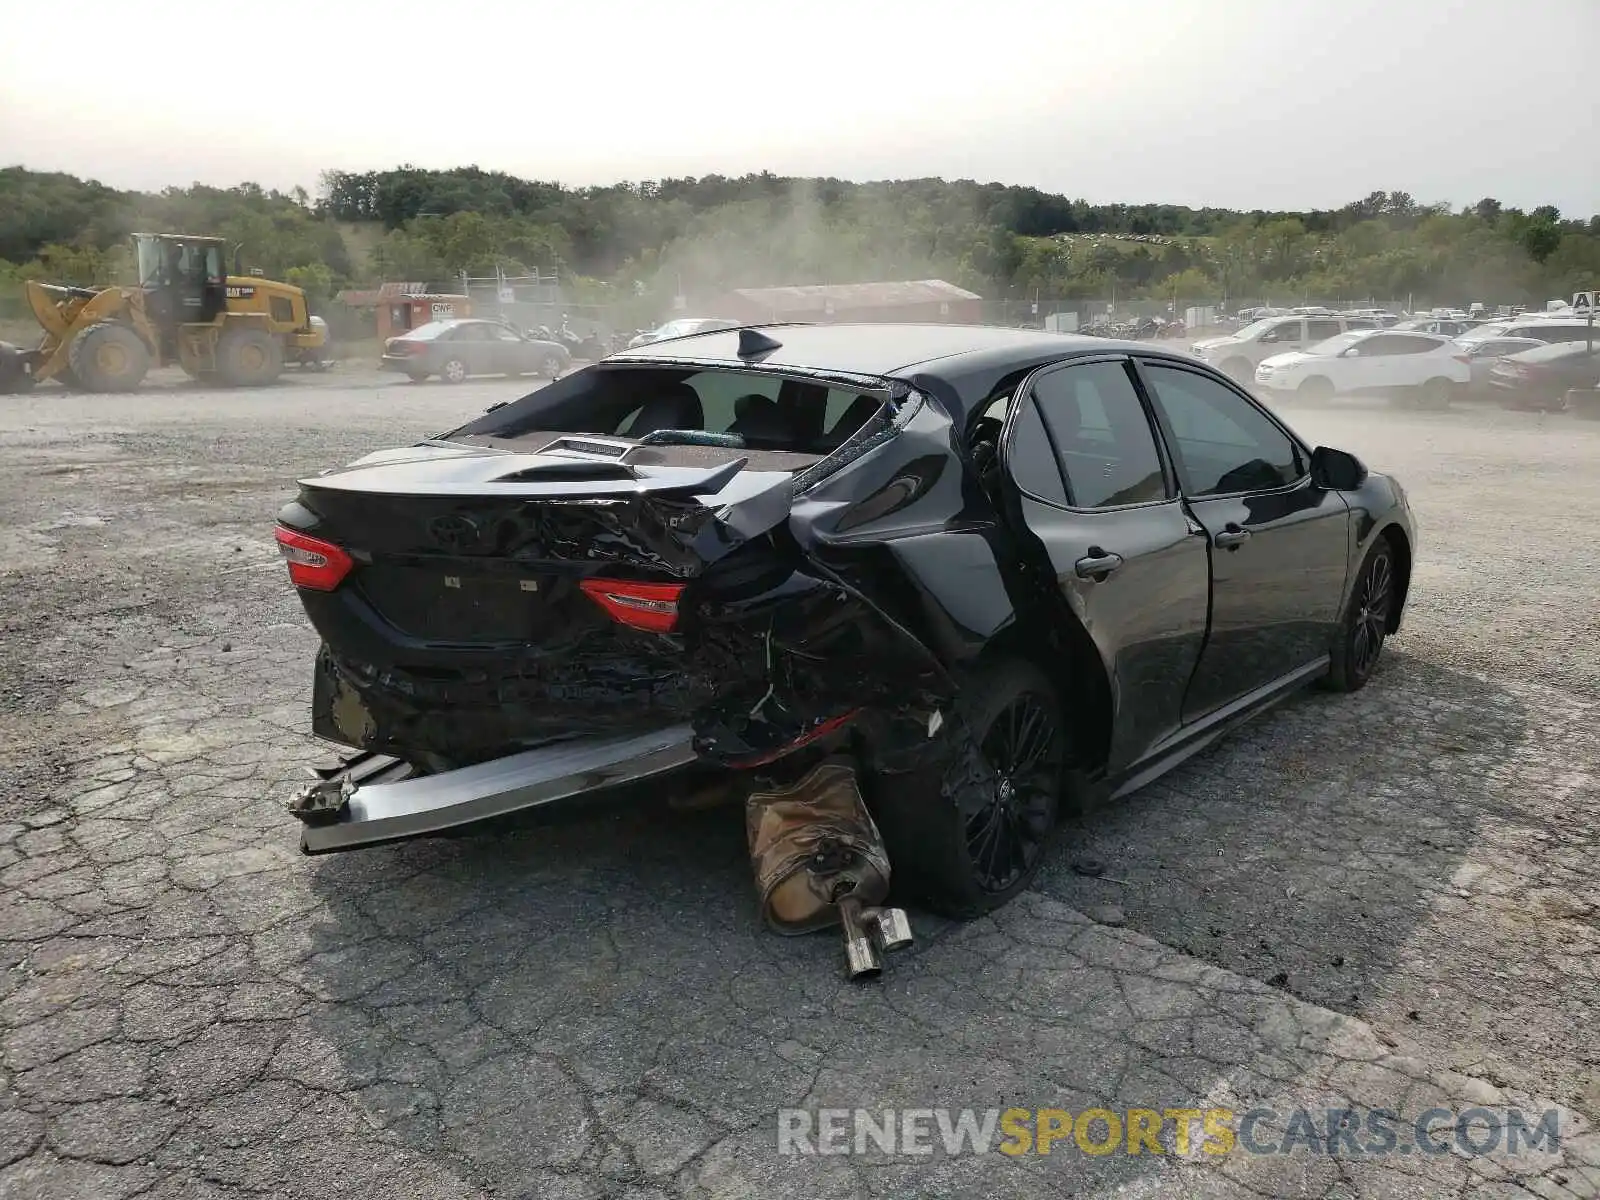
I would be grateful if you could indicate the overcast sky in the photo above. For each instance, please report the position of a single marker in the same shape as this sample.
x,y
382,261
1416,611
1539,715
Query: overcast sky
x,y
1238,103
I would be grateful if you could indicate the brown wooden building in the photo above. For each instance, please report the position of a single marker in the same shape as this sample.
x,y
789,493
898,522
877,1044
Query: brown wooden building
x,y
910,300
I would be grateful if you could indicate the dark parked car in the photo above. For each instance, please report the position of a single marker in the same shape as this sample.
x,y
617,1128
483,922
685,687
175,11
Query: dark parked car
x,y
457,348
1540,378
1481,357
1004,571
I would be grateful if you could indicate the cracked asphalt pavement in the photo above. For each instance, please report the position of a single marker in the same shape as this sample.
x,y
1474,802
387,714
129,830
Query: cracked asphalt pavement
x,y
1391,899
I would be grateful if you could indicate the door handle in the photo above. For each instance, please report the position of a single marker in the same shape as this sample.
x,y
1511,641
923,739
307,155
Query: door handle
x,y
1232,536
1097,564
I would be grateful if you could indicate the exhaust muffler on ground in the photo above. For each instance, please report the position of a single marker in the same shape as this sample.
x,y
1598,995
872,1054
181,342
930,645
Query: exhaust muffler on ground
x,y
819,861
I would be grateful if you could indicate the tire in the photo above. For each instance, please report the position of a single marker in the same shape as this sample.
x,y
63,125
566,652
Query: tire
x,y
1435,394
108,357
1359,642
1315,390
453,371
248,357
1240,371
552,366
941,832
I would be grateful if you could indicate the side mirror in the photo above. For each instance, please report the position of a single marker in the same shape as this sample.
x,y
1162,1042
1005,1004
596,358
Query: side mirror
x,y
1337,470
1350,352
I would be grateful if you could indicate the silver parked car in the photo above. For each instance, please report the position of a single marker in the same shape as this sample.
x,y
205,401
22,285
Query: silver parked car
x,y
1480,357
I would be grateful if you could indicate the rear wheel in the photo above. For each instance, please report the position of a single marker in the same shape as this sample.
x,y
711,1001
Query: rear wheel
x,y
1360,640
453,371
1315,390
552,366
1435,394
248,357
968,842
108,357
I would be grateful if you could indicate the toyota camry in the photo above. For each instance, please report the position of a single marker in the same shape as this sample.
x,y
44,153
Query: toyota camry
x,y
997,571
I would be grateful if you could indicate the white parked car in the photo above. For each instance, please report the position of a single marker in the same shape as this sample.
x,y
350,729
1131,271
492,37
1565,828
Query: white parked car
x,y
682,327
1424,366
1240,352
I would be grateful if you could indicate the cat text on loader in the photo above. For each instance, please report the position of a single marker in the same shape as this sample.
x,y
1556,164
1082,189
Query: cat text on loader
x,y
233,330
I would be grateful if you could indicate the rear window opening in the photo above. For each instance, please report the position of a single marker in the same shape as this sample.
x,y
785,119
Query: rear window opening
x,y
676,412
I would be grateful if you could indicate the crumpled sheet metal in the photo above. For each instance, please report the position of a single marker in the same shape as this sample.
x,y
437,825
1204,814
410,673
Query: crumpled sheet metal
x,y
811,843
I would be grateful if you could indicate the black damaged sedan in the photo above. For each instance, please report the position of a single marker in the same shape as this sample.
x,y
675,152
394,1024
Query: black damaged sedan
x,y
1004,571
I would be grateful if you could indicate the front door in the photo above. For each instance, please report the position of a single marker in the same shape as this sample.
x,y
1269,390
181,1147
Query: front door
x,y
1279,543
506,353
1130,563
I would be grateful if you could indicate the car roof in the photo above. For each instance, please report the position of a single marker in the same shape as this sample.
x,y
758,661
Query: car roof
x,y
962,362
880,349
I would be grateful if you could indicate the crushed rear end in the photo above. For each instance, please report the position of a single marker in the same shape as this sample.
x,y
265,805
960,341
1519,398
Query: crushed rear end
x,y
476,601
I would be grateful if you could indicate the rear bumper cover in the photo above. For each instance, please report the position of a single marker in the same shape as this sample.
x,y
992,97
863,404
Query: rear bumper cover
x,y
375,813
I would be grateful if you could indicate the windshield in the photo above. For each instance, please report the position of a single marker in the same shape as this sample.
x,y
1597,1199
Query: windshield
x,y
1337,344
164,262
1256,328
1484,332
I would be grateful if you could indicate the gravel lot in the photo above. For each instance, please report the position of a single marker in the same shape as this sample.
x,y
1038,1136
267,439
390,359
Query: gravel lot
x,y
1392,898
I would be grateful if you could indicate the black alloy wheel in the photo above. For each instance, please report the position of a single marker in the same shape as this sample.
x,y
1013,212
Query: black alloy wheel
x,y
1366,625
1007,836
970,830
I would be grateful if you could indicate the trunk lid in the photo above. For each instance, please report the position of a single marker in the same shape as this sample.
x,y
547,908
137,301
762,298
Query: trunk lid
x,y
467,544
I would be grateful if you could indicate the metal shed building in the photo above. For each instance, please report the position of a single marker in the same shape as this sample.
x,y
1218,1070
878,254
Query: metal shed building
x,y
909,300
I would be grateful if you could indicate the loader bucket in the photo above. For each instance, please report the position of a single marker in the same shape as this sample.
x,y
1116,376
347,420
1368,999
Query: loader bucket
x,y
16,368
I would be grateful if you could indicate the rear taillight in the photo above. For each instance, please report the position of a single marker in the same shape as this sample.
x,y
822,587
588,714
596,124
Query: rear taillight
x,y
652,607
314,564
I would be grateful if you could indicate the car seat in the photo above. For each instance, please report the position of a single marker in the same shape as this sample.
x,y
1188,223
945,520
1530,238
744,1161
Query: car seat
x,y
677,407
758,418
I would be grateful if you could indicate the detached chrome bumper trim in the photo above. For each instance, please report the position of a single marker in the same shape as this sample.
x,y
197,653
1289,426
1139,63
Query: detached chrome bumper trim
x,y
385,812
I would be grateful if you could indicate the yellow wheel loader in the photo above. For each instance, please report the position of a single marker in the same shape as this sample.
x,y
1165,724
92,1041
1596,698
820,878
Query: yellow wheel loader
x,y
234,330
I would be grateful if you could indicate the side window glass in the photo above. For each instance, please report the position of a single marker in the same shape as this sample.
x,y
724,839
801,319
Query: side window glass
x,y
1415,346
1101,435
1320,331
1223,443
1028,456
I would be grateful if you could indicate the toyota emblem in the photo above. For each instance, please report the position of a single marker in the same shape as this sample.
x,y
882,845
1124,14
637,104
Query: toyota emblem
x,y
454,532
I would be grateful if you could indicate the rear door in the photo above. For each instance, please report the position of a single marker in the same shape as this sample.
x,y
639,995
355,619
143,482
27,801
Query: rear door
x,y
1091,485
1279,544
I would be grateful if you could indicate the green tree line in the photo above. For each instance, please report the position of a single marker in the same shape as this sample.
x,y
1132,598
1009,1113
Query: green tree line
x,y
640,243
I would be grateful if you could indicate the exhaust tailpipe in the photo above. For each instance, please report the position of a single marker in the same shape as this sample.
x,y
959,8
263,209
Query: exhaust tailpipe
x,y
819,860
